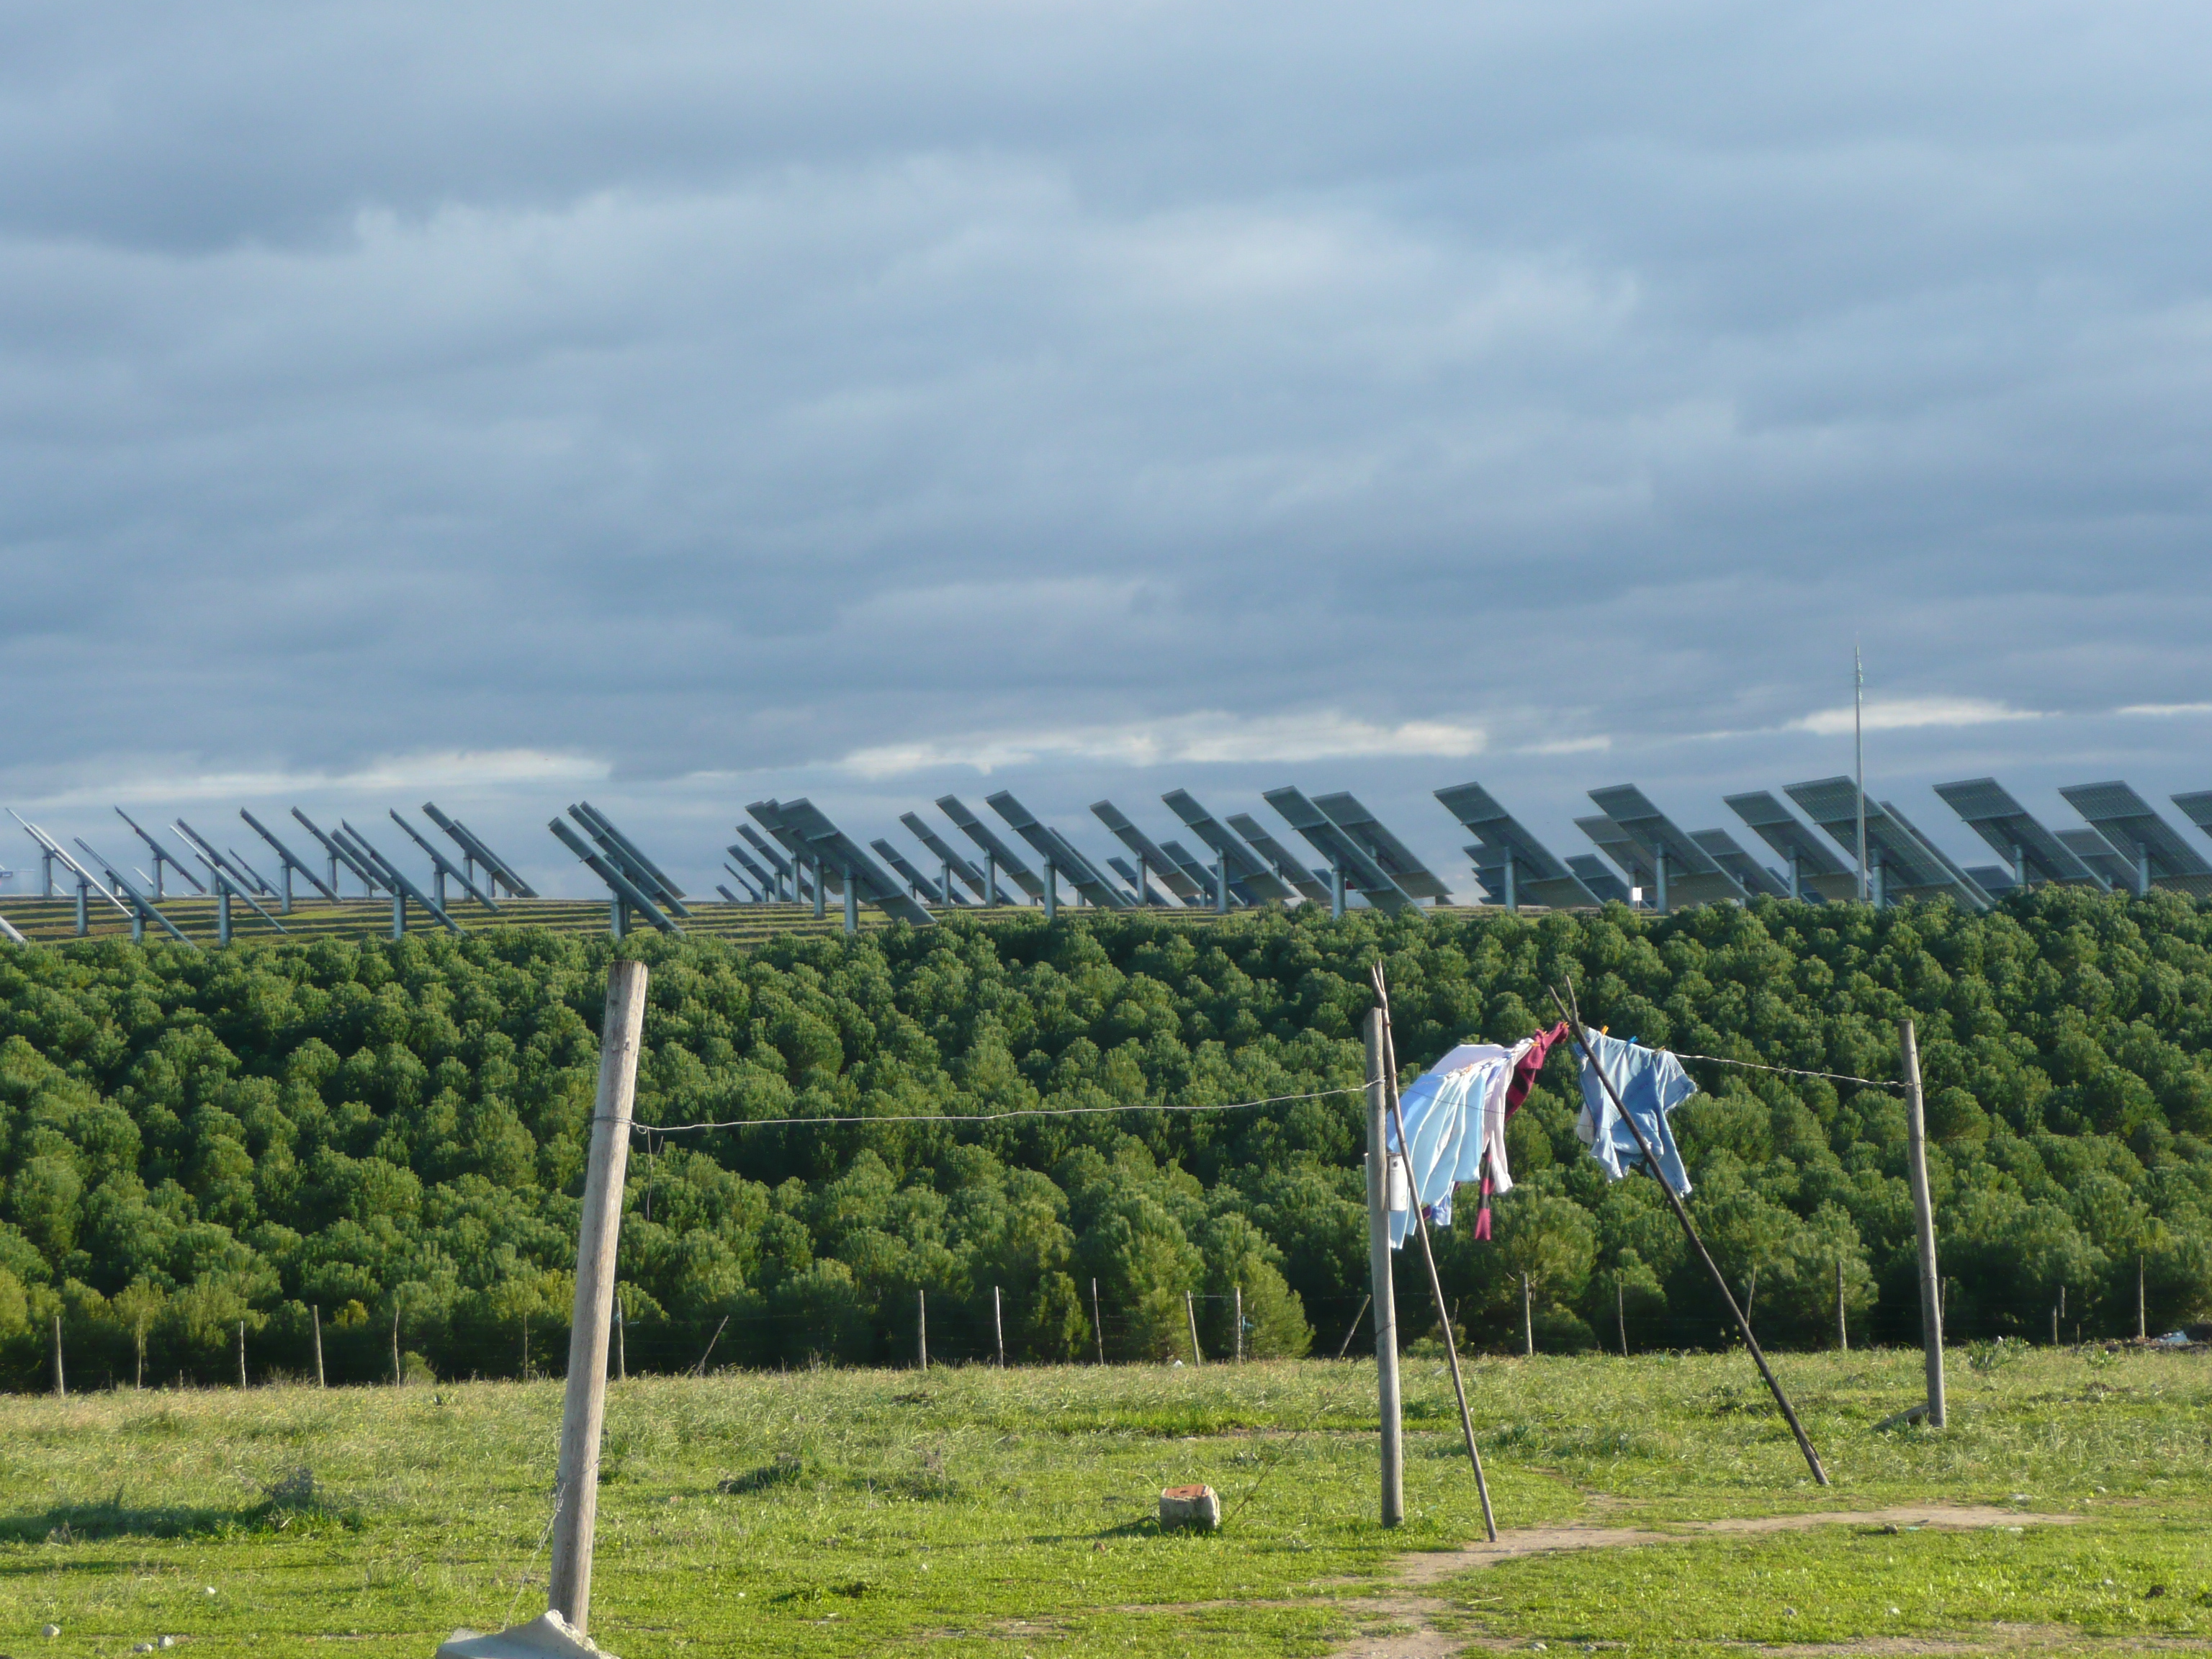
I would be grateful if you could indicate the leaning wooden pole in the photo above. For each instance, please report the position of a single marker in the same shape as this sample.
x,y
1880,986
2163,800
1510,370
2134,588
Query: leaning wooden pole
x,y
576,1487
1682,1215
1389,1405
1428,1255
1923,1225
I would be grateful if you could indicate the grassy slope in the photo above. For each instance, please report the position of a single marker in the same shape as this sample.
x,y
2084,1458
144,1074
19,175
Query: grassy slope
x,y
1009,1513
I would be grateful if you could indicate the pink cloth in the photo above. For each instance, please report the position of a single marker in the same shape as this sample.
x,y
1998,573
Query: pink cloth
x,y
1529,1062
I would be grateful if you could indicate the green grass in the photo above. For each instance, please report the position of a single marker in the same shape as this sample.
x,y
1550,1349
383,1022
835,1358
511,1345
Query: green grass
x,y
976,1512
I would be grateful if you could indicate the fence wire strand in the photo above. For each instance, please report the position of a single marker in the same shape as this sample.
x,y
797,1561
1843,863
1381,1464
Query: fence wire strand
x,y
879,1120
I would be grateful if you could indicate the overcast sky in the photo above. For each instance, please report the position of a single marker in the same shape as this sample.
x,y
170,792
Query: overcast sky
x,y
679,406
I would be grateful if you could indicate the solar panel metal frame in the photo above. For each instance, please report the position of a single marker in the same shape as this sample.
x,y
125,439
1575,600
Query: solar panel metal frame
x,y
398,880
364,871
1156,857
753,896
1286,867
161,854
287,859
783,867
2014,834
1147,894
1548,881
942,850
1909,865
475,847
625,890
2195,805
627,853
1593,873
226,873
1006,861
1623,850
2126,819
760,876
262,884
2117,869
1399,861
1242,865
145,907
1993,879
1084,876
1818,868
914,877
443,865
1190,865
1693,877
1749,874
851,861
1326,837
1975,891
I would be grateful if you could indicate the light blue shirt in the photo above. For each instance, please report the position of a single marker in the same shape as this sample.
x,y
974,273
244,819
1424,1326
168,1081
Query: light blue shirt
x,y
1651,1083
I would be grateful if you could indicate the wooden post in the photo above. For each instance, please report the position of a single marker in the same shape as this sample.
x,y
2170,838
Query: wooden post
x,y
318,1312
1843,1330
2055,1307
1528,1318
2142,1327
1682,1215
1190,1313
1378,1268
622,1337
1352,1329
998,1326
1924,1224
1240,1322
241,1353
397,1376
61,1381
583,1409
922,1327
526,1346
1620,1313
1098,1325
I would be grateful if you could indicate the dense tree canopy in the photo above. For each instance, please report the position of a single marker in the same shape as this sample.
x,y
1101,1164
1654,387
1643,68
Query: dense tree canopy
x,y
390,1132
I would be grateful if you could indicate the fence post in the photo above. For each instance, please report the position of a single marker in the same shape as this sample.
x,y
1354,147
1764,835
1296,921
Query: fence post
x,y
1240,1324
1190,1313
583,1408
397,1376
998,1326
2142,1327
621,1338
1924,1224
1097,1324
1378,1269
318,1312
1527,1317
61,1381
1843,1330
1620,1313
922,1327
241,1353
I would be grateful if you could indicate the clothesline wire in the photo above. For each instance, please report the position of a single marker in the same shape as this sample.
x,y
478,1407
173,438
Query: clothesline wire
x,y
1790,1071
652,1129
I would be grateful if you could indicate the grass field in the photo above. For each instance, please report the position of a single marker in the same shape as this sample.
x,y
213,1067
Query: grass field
x,y
974,1512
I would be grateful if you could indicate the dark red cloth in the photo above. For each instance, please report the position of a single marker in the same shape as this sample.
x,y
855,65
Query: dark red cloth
x,y
1525,1071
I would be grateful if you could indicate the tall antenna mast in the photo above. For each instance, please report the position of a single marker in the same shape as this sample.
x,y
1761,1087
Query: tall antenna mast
x,y
1858,756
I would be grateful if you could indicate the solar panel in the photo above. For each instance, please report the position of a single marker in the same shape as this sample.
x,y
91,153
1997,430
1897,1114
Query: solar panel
x,y
2093,850
768,884
621,850
162,855
1993,879
287,863
1902,864
1242,863
805,857
396,879
1156,858
338,854
1806,860
474,849
1526,871
2031,852
2196,807
2133,826
1618,845
913,878
226,871
841,853
1750,874
1361,873
1145,891
627,894
941,850
1397,859
443,868
142,908
1279,857
1003,857
1682,872
1593,873
1202,874
1058,851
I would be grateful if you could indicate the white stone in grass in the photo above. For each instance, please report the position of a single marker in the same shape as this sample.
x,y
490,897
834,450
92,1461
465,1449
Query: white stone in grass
x,y
50,1630
546,1636
143,1647
167,1642
1196,1507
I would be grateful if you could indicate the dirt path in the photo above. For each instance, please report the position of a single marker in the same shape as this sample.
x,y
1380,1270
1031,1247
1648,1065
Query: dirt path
x,y
1402,1627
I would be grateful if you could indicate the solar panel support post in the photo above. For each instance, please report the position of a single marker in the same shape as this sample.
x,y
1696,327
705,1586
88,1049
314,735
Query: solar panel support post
x,y
852,906
1051,891
618,917
84,907
1797,878
1336,890
1512,886
398,915
1221,883
1659,877
1879,877
284,898
137,926
2020,867
2142,869
223,913
1142,873
821,894
45,875
947,890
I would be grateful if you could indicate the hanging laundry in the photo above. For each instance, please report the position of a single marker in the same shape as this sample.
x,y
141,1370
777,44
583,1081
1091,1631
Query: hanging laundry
x,y
1651,1083
1444,1109
1527,1062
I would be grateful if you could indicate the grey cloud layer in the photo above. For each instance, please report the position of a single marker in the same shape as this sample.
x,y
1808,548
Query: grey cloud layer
x,y
700,392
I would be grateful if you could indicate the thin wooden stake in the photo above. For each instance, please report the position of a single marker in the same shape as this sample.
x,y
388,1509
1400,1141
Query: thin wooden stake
x,y
1240,1324
1352,1329
61,1380
397,1376
584,1403
1682,1215
998,1326
525,1347
241,1353
1097,1324
1528,1318
2142,1326
1429,1255
622,1337
1389,1405
922,1327
1843,1330
1620,1312
318,1312
1190,1312
1924,1225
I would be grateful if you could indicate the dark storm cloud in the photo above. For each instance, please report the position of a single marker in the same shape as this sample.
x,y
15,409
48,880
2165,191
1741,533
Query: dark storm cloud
x,y
690,405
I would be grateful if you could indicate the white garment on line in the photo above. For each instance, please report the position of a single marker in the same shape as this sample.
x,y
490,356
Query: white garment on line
x,y
1454,1115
